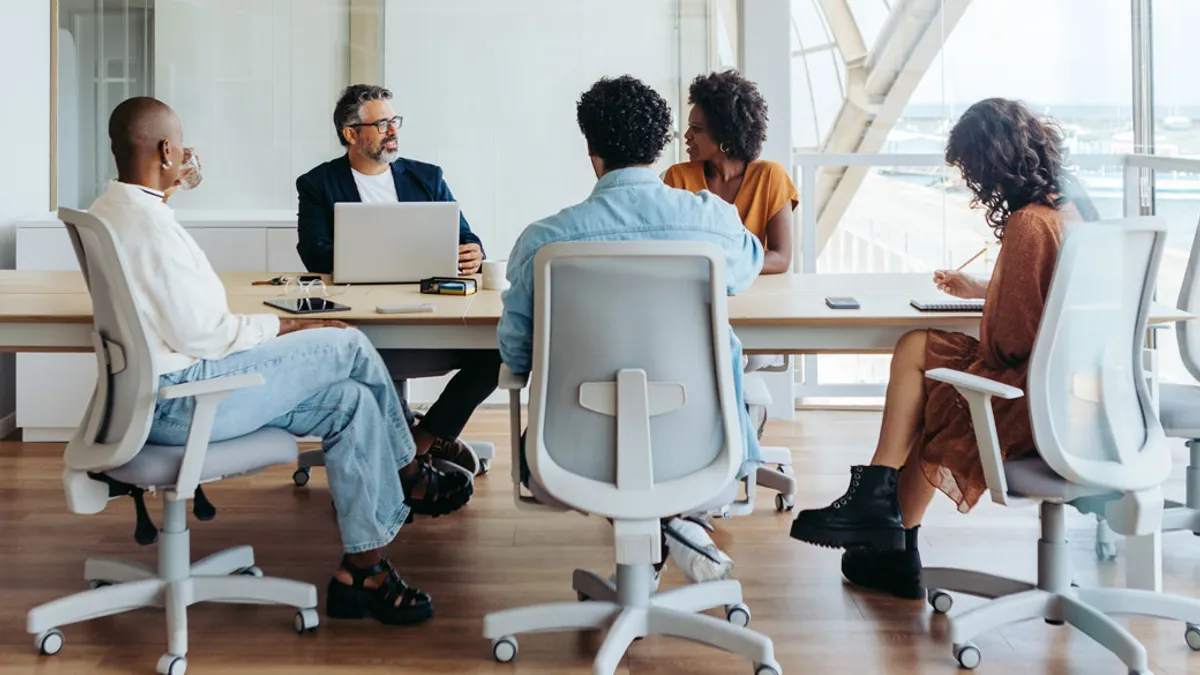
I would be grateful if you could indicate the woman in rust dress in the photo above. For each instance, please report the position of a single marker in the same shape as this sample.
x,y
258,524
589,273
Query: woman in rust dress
x,y
1011,160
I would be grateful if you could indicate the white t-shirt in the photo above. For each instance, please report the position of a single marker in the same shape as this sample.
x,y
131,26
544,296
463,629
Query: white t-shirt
x,y
379,189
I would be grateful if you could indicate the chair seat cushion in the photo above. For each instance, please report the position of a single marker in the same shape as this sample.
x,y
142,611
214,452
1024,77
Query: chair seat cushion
x,y
1179,410
158,465
1032,478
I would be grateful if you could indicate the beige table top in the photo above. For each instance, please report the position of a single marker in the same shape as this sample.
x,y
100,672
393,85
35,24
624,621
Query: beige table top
x,y
780,300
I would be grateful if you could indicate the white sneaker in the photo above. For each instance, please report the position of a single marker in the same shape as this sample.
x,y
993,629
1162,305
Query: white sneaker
x,y
712,565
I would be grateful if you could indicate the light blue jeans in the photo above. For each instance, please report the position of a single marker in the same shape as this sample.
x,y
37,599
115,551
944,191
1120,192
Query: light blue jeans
x,y
326,382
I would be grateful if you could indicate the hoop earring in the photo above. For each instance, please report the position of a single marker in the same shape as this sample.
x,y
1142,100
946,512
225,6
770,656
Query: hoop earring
x,y
166,164
724,149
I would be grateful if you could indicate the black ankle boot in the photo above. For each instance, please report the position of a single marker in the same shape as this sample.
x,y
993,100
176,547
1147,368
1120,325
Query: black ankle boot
x,y
895,572
867,516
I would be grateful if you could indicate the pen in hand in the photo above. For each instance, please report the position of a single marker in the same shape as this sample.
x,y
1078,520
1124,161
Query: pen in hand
x,y
971,259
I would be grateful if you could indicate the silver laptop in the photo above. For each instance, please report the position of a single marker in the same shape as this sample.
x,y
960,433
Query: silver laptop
x,y
402,242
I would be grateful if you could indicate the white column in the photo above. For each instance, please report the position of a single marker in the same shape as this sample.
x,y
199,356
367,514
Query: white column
x,y
25,168
765,57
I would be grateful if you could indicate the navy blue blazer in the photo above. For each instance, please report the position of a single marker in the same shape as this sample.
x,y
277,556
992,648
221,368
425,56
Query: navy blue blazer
x,y
332,182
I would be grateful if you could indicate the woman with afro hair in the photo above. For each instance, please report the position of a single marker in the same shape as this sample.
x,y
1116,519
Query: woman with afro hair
x,y
726,129
1011,160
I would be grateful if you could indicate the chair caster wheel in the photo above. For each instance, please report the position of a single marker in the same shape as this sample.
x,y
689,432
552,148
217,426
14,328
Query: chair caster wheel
x,y
1192,637
99,583
50,642
940,601
767,669
485,465
306,621
968,656
1106,551
169,664
784,503
300,476
738,615
504,649
251,571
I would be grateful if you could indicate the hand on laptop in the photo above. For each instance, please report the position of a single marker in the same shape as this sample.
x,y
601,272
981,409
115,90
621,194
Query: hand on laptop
x,y
292,325
470,259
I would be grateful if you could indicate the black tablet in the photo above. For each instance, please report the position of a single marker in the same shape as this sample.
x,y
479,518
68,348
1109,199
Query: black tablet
x,y
306,305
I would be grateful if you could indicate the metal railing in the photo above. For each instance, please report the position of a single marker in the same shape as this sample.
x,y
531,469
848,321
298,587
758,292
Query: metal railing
x,y
806,169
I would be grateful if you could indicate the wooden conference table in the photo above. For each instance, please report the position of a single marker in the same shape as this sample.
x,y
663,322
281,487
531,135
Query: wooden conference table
x,y
51,312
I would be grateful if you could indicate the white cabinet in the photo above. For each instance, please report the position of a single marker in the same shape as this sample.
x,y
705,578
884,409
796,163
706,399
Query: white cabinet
x,y
53,390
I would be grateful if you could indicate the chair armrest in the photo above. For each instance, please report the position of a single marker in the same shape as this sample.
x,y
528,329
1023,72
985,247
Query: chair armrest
x,y
510,381
979,391
208,395
974,383
214,386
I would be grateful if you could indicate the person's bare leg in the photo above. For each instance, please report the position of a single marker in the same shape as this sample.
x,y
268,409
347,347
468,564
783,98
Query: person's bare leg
x,y
916,492
869,514
423,439
904,406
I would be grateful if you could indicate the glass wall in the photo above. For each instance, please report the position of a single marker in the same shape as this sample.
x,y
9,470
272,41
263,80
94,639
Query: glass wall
x,y
1176,134
891,77
253,81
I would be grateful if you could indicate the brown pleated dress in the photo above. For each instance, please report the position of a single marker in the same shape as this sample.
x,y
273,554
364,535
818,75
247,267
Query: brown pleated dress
x,y
1013,309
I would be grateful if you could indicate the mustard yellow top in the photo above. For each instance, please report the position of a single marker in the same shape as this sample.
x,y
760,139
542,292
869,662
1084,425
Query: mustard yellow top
x,y
766,188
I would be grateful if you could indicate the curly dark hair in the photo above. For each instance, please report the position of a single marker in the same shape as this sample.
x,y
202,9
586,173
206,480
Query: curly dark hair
x,y
626,123
735,110
348,109
1009,158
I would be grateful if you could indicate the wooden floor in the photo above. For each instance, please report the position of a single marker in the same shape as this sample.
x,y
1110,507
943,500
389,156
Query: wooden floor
x,y
489,557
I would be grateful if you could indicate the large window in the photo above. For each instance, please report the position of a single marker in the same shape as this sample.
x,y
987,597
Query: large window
x,y
253,81
1176,134
893,77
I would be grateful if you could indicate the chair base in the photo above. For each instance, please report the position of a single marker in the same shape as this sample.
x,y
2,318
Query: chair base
x,y
630,611
121,586
779,478
1053,599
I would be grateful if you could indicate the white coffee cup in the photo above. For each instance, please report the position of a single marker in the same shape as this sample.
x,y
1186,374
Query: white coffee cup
x,y
494,275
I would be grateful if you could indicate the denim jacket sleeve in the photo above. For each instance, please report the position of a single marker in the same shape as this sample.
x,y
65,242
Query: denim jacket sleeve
x,y
515,331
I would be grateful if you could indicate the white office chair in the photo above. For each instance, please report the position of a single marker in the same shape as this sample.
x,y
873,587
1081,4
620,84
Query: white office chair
x,y
1179,404
1101,449
776,471
633,418
1179,412
108,458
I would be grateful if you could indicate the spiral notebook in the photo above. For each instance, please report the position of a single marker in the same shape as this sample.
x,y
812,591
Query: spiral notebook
x,y
948,306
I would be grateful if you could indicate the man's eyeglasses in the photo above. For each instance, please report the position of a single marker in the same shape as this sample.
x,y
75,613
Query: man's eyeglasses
x,y
382,125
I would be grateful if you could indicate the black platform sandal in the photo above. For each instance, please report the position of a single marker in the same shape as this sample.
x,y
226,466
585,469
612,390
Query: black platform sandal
x,y
344,601
445,491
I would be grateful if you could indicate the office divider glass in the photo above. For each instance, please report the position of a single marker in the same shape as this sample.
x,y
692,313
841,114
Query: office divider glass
x,y
254,82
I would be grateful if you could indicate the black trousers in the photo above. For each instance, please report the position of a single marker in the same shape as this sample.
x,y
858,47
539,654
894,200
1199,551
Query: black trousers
x,y
478,373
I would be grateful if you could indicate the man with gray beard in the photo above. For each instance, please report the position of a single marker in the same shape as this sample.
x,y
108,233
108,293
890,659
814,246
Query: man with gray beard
x,y
373,171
